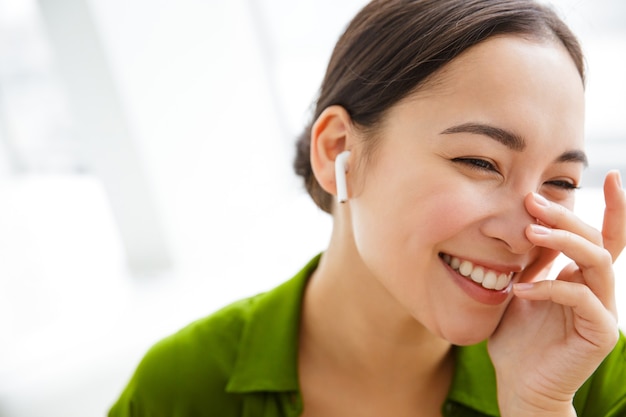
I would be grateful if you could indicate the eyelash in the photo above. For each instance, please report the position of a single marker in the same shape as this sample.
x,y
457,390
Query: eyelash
x,y
483,165
566,185
477,163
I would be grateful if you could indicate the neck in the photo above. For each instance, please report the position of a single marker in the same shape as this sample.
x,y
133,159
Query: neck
x,y
351,323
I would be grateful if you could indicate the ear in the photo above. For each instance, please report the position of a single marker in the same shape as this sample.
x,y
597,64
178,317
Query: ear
x,y
330,135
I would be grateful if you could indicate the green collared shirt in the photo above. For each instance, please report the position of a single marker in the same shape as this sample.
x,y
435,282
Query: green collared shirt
x,y
242,362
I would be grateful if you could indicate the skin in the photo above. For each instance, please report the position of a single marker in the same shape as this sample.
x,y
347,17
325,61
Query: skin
x,y
382,310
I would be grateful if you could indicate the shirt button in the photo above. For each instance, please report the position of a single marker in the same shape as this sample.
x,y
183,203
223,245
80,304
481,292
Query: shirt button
x,y
451,410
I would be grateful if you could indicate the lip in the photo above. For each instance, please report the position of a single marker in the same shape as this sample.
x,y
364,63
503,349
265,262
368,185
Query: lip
x,y
476,291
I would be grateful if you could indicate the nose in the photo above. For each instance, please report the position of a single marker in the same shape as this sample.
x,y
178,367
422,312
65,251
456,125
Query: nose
x,y
507,223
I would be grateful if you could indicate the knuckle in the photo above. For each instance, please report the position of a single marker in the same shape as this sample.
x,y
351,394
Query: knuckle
x,y
605,258
584,291
568,236
597,237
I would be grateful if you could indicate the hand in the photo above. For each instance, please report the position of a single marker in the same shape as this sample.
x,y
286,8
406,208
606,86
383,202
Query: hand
x,y
555,333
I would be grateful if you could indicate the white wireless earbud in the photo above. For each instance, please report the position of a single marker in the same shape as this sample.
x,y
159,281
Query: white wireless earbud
x,y
341,166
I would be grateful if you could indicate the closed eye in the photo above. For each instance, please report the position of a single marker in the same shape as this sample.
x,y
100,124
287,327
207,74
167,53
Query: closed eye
x,y
563,184
477,163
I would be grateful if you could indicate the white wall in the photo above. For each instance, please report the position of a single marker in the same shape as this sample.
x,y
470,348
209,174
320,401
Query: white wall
x,y
213,92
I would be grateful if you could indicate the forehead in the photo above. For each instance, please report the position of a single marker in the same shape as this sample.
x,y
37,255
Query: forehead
x,y
531,87
494,46
508,58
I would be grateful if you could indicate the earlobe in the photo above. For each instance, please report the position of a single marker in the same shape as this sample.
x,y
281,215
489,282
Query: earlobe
x,y
331,135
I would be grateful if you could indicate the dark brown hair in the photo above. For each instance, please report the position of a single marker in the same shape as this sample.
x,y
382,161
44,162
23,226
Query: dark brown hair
x,y
392,47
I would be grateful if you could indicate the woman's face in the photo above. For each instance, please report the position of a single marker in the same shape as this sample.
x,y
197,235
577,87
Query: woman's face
x,y
447,182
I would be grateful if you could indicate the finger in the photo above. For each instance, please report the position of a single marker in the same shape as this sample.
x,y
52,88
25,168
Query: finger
x,y
596,320
572,273
587,255
556,216
614,224
595,262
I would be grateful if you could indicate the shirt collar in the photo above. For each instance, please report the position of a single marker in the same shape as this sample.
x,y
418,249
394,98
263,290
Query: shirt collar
x,y
268,350
474,381
267,359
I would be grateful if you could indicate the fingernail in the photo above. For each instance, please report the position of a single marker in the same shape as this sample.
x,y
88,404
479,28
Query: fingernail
x,y
619,179
539,199
523,286
539,229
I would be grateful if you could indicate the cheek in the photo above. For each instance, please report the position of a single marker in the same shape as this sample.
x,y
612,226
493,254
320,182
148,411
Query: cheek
x,y
451,209
411,220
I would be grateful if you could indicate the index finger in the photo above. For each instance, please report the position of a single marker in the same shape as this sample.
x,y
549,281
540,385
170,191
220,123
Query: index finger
x,y
614,223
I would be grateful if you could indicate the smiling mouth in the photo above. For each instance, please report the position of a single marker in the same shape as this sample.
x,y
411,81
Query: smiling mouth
x,y
488,278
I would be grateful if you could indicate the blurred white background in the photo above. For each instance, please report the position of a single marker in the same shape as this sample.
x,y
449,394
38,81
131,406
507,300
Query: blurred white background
x,y
145,172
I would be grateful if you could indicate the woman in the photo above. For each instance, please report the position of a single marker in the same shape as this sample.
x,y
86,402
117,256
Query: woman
x,y
447,144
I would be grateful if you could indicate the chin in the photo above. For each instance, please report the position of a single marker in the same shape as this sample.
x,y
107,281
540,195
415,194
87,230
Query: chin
x,y
467,340
468,335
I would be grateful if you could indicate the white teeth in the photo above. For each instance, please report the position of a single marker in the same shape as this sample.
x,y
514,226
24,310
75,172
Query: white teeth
x,y
490,281
478,274
455,263
487,278
503,281
466,268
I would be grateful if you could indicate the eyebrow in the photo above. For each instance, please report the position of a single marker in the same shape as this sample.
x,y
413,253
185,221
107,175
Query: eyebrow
x,y
511,140
574,156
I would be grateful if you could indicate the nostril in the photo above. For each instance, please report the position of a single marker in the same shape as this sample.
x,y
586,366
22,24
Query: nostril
x,y
518,245
508,226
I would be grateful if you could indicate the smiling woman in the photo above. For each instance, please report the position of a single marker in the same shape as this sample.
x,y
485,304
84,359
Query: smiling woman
x,y
459,126
417,173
